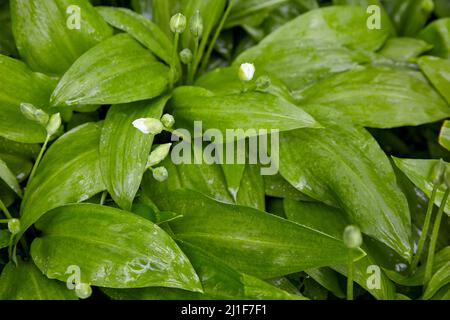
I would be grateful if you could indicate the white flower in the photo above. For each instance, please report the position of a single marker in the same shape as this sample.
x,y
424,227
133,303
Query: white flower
x,y
158,155
246,71
168,120
148,125
53,124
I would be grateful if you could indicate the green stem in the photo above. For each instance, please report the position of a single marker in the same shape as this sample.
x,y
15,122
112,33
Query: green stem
x,y
426,226
5,210
434,236
216,36
176,39
38,160
350,276
103,198
191,71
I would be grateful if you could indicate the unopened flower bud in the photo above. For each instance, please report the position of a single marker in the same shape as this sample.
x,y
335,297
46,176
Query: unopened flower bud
x,y
196,25
352,237
160,174
178,23
158,155
53,124
83,290
246,71
263,83
14,226
34,114
186,56
427,6
438,172
149,125
168,120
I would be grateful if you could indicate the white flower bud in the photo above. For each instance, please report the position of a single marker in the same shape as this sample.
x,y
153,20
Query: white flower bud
x,y
186,56
14,226
168,120
178,23
352,237
246,71
196,25
34,114
149,125
160,174
53,124
158,155
83,290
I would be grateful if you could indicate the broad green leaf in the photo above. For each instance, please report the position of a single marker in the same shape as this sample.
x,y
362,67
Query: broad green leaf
x,y
438,72
277,186
68,173
328,279
118,70
379,97
20,166
9,178
20,84
233,175
219,282
124,149
404,49
142,29
440,279
442,8
163,10
204,178
112,248
343,166
302,62
418,171
4,238
251,188
25,150
437,33
442,294
409,16
7,44
26,282
342,25
247,239
444,135
332,222
46,36
6,194
251,110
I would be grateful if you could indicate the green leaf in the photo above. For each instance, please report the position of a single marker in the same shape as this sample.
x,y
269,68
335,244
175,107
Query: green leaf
x,y
9,178
112,248
277,186
19,85
440,279
332,222
438,72
418,171
233,176
437,33
68,173
249,240
379,97
442,8
4,238
251,110
24,150
251,188
404,49
163,10
328,279
7,44
124,149
26,282
142,29
444,135
344,167
20,167
409,16
219,282
43,36
118,70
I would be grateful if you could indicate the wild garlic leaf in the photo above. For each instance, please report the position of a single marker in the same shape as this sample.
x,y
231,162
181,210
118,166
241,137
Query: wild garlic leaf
x,y
4,239
48,39
438,72
379,97
26,282
117,70
251,188
141,28
444,135
440,279
328,279
409,16
112,248
404,49
277,186
343,166
7,44
233,175
418,171
25,150
9,178
442,8
219,282
162,11
332,221
437,33
247,239
69,173
250,110
20,84
124,150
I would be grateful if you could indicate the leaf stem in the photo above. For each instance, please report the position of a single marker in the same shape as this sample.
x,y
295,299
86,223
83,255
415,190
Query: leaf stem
x,y
350,276
38,160
176,40
426,226
5,210
434,236
215,37
191,70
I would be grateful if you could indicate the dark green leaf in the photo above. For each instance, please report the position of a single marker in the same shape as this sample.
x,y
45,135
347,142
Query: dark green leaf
x,y
9,178
437,33
440,279
438,72
444,136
